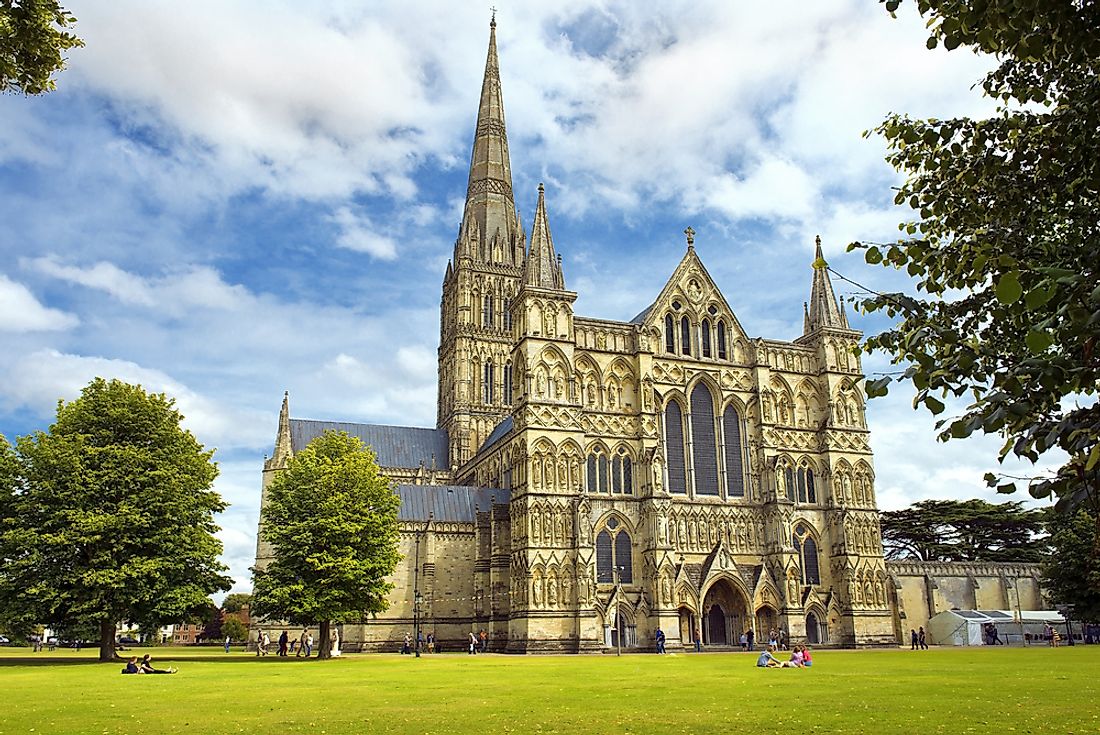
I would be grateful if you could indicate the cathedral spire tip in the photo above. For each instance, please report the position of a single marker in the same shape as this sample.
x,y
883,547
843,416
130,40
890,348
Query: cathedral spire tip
x,y
690,233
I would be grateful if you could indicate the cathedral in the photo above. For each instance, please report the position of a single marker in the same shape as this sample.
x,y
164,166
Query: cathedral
x,y
589,481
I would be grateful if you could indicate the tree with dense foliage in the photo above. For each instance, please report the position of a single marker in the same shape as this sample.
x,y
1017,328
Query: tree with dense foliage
x,y
331,520
234,627
34,35
114,517
964,530
236,602
1071,575
1004,242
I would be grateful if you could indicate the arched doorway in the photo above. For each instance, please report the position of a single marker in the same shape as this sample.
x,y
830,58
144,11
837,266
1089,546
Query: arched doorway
x,y
813,634
767,620
724,609
687,626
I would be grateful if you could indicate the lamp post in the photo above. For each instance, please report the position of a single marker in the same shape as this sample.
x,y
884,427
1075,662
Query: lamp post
x,y
417,597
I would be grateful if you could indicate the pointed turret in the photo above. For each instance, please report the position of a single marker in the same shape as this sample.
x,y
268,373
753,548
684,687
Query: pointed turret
x,y
489,201
282,438
543,266
823,310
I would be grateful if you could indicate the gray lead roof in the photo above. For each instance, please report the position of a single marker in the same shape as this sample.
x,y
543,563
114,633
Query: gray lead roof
x,y
394,446
455,503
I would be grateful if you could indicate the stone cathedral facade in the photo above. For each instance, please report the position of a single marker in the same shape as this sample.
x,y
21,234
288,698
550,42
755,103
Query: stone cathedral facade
x,y
589,480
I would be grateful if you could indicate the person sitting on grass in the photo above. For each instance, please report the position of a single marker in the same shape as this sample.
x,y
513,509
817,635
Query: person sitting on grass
x,y
147,667
795,661
767,660
132,667
806,660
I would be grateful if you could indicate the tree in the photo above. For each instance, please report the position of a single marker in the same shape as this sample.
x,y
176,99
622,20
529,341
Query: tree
x,y
1004,242
212,619
115,517
234,627
331,520
1072,573
964,530
236,602
33,37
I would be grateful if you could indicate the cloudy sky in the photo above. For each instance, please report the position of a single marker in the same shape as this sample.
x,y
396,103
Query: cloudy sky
x,y
226,200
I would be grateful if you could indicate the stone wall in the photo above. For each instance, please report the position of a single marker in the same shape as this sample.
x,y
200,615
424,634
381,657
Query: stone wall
x,y
921,589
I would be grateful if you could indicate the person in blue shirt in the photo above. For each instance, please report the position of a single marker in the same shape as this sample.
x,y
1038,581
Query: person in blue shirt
x,y
767,660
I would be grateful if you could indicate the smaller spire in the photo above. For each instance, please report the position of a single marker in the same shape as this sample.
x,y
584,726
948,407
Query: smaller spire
x,y
805,318
690,237
282,438
823,310
543,266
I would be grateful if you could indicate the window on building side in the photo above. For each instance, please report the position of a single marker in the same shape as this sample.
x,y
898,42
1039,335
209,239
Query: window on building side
x,y
704,447
685,335
487,384
735,472
614,553
508,383
507,314
806,549
721,340
487,311
674,448
670,334
806,492
706,338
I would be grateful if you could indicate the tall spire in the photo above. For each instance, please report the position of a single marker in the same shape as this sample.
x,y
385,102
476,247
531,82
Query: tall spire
x,y
282,438
543,266
489,201
823,311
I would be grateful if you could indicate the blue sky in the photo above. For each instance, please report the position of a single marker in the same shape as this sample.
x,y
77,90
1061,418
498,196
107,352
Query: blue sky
x,y
226,200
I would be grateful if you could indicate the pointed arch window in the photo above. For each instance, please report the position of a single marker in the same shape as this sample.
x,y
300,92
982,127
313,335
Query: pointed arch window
x,y
508,383
721,340
704,448
506,313
487,311
806,491
487,383
614,552
674,448
622,480
685,335
806,548
670,334
706,338
735,453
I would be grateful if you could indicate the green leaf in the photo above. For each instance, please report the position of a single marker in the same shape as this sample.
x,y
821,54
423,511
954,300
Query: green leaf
x,y
934,405
1038,341
1037,297
873,256
1009,289
878,387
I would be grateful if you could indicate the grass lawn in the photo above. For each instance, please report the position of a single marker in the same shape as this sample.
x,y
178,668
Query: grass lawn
x,y
1036,690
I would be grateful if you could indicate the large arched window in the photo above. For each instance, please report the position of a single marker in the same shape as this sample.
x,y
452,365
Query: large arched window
x,y
735,472
806,548
685,335
721,340
674,448
706,338
487,383
704,447
670,334
614,554
598,480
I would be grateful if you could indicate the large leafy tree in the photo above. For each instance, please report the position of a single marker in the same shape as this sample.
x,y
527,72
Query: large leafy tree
x,y
1003,242
235,602
331,520
1072,573
964,530
114,517
34,36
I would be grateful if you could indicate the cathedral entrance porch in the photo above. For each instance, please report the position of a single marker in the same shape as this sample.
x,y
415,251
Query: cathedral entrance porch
x,y
687,626
724,614
767,619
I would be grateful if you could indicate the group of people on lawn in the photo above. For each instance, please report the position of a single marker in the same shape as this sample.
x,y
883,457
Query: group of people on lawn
x,y
800,659
145,666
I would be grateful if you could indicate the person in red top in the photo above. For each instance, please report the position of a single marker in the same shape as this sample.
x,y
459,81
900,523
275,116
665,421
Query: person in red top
x,y
806,660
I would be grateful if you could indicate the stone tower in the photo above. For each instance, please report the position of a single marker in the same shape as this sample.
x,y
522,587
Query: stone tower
x,y
482,278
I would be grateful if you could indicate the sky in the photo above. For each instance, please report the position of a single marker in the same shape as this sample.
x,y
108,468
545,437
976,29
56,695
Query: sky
x,y
225,200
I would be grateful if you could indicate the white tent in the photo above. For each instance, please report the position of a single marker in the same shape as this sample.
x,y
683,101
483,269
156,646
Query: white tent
x,y
967,627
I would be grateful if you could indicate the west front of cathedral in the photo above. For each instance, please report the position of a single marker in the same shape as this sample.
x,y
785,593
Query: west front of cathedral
x,y
589,480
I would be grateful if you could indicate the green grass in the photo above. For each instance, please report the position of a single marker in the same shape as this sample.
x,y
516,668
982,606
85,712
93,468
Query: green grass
x,y
1037,690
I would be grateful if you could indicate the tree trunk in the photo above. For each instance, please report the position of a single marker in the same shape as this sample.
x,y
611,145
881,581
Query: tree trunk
x,y
107,640
324,648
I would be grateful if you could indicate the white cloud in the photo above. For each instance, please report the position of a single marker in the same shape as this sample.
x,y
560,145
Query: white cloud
x,y
126,287
20,311
357,233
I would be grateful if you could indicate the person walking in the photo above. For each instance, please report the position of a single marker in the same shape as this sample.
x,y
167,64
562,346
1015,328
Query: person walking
x,y
302,640
284,640
752,639
309,644
659,637
698,640
405,645
922,639
744,641
913,640
266,641
227,642
484,641
473,643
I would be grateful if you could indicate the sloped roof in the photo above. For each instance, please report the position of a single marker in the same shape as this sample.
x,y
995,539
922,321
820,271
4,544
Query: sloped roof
x,y
395,446
499,432
455,503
